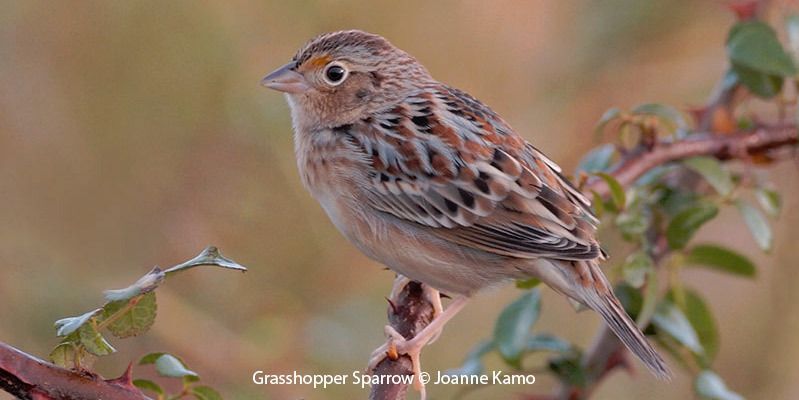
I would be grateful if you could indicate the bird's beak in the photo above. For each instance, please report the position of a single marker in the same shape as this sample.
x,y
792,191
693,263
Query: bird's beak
x,y
286,79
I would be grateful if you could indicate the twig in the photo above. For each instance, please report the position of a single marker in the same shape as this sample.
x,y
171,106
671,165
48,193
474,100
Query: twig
x,y
723,147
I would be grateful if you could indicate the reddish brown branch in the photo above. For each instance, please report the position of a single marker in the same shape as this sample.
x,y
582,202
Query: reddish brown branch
x,y
724,147
28,377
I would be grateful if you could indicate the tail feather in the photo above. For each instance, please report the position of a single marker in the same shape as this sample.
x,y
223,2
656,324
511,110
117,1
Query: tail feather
x,y
611,310
584,282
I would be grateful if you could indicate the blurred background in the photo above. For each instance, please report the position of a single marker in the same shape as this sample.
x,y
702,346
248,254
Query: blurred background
x,y
133,134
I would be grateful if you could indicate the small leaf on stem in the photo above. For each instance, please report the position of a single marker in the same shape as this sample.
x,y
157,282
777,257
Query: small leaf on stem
x,y
64,355
713,172
65,326
209,256
597,160
685,224
616,190
710,386
145,384
769,201
670,319
205,393
130,317
170,366
757,224
93,341
720,258
513,326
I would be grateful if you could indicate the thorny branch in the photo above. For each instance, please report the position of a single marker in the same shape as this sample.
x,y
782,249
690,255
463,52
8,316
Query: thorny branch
x,y
27,377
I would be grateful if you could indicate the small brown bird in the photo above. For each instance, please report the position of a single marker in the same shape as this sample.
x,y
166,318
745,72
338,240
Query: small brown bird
x,y
427,180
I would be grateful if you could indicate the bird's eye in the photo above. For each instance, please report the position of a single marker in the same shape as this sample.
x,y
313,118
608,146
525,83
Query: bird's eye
x,y
335,73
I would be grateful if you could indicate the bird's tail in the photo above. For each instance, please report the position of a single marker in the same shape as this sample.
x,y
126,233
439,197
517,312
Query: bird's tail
x,y
584,282
611,310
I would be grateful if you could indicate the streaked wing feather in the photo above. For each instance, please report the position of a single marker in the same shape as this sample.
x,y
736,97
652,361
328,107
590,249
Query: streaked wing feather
x,y
444,160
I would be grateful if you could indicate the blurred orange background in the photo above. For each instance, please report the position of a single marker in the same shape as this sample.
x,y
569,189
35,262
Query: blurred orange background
x,y
135,133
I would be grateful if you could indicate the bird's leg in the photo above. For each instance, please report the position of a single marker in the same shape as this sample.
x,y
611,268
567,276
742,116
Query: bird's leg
x,y
399,283
397,345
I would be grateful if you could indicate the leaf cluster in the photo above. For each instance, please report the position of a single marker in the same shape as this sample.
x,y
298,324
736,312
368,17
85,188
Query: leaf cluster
x,y
658,217
131,311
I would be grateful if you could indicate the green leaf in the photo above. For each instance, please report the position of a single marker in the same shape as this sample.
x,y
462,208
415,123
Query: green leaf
x,y
546,342
792,28
209,256
145,384
568,369
65,326
676,200
654,175
754,45
473,365
205,393
528,283
713,172
598,159
136,320
759,83
649,298
64,355
720,258
616,190
757,224
170,366
609,115
710,386
701,318
630,298
150,358
636,267
670,320
685,224
513,326
633,222
93,341
598,204
769,201
665,112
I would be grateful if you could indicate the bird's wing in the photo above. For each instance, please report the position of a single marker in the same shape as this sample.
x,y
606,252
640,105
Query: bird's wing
x,y
444,160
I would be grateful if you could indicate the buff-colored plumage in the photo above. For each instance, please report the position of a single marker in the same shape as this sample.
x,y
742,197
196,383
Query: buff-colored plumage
x,y
427,180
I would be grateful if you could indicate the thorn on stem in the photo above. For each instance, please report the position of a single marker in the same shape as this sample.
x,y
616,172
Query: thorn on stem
x,y
126,379
392,305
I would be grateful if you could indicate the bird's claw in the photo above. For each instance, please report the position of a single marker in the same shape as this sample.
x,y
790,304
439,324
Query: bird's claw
x,y
397,346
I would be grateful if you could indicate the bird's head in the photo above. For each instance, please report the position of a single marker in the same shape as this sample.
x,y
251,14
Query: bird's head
x,y
338,78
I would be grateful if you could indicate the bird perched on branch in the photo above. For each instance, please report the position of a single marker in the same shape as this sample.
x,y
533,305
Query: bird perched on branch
x,y
429,181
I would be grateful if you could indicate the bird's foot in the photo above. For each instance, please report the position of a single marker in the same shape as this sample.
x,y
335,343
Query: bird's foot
x,y
397,345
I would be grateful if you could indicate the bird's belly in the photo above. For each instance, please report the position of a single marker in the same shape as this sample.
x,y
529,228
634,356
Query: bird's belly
x,y
410,250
